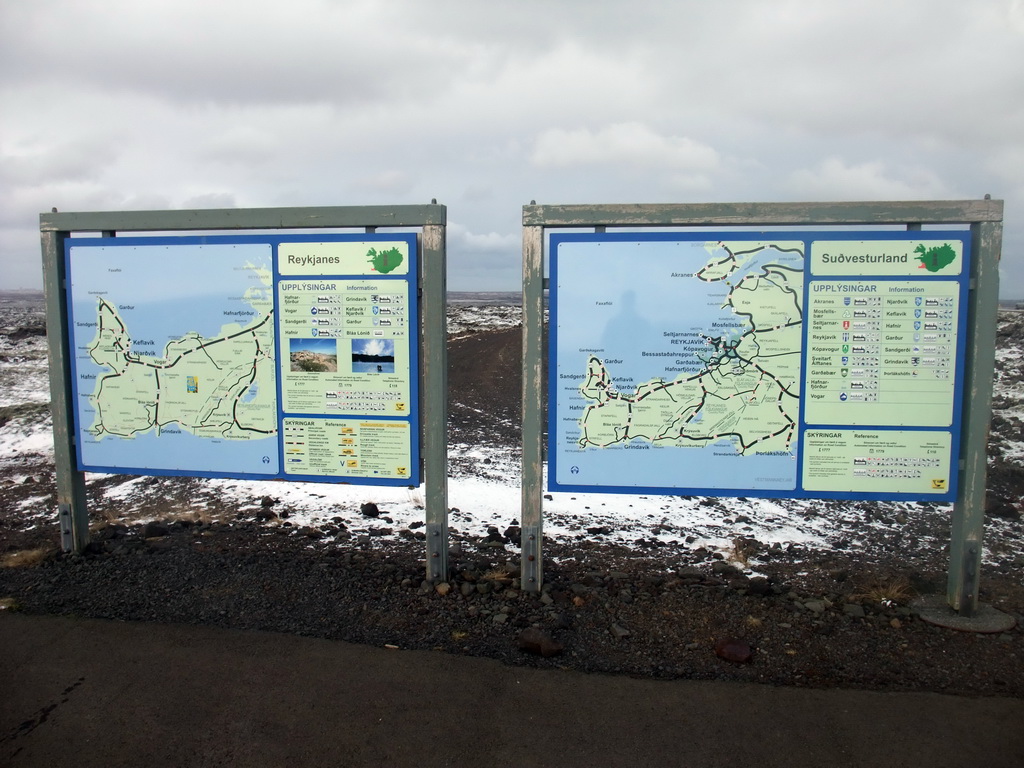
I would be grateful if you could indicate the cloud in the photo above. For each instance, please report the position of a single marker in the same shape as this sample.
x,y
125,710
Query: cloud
x,y
176,103
487,261
210,200
834,179
629,144
37,162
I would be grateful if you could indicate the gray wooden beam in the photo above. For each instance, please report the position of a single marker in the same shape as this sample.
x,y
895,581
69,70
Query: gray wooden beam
x,y
763,214
532,572
434,410
968,523
246,218
71,503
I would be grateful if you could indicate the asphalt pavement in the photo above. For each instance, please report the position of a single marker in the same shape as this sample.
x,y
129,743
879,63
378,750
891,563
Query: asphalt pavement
x,y
83,692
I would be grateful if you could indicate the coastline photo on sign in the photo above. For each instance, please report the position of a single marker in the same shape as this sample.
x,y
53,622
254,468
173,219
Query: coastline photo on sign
x,y
313,355
373,356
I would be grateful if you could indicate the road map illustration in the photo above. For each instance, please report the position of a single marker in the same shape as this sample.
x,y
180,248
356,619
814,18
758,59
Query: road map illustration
x,y
178,372
679,364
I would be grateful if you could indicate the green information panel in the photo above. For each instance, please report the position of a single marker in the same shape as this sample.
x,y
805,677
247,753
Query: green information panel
x,y
882,352
367,448
347,344
862,461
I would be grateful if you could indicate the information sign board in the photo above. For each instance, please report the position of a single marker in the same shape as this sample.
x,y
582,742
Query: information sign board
x,y
797,364
254,356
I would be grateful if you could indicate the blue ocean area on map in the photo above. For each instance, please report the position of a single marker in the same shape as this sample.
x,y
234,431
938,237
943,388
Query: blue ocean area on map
x,y
643,309
194,455
671,466
181,294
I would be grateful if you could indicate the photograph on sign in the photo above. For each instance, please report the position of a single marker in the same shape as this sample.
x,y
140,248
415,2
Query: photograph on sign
x,y
698,362
192,354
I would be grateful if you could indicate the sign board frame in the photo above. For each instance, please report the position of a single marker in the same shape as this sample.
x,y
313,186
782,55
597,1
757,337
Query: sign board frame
x,y
984,221
859,342
298,307
429,285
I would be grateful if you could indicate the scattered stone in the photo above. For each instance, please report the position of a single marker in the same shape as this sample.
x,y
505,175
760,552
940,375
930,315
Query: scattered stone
x,y
853,610
443,588
499,618
722,568
815,606
735,650
369,509
759,586
536,641
619,632
467,588
154,529
690,573
268,501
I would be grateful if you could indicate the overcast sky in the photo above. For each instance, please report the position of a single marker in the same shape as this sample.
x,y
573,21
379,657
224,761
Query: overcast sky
x,y
155,104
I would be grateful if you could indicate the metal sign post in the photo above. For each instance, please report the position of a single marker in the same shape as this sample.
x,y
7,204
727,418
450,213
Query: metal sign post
x,y
954,308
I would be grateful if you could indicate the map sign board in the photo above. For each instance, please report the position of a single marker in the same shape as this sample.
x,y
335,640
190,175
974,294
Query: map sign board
x,y
786,364
254,356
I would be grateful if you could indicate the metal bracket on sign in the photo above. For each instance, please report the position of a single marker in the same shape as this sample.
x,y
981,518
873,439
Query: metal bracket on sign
x,y
968,602
531,578
437,552
67,536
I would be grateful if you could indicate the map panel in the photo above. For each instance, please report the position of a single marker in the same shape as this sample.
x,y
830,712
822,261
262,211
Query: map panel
x,y
177,372
679,364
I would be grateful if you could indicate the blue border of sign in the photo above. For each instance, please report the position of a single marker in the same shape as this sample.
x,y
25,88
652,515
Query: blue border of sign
x,y
273,241
556,402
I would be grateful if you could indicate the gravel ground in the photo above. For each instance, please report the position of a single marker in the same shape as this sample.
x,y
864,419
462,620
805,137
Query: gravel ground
x,y
820,618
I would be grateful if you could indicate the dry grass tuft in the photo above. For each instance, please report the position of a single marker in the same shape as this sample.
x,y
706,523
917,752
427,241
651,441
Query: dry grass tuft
x,y
895,590
501,573
25,558
741,551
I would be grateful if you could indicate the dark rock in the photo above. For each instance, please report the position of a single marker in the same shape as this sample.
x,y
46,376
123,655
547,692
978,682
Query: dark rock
x,y
853,610
537,641
735,650
759,586
369,509
268,501
722,568
619,632
153,529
